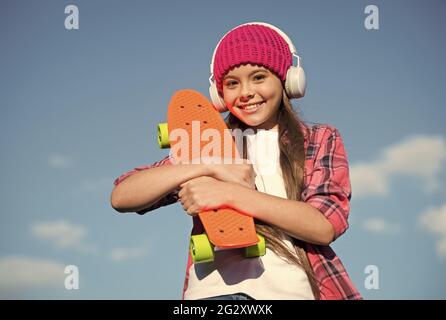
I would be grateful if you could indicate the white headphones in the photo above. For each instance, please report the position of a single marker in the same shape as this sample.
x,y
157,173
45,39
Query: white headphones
x,y
295,83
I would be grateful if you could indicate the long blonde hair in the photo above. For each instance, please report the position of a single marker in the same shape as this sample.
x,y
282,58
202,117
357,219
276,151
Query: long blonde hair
x,y
292,163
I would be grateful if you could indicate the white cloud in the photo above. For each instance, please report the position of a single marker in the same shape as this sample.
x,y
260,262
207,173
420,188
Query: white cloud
x,y
421,157
123,253
21,273
62,234
60,161
368,179
379,225
410,155
434,220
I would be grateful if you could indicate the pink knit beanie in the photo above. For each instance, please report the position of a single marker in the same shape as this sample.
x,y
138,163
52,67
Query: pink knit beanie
x,y
255,44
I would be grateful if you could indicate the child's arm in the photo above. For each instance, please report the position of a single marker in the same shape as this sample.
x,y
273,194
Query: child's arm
x,y
296,218
136,192
142,189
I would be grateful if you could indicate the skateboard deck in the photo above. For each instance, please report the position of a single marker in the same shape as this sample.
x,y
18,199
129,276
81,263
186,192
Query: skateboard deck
x,y
190,111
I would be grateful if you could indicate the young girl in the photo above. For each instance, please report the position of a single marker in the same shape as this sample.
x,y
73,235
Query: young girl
x,y
296,184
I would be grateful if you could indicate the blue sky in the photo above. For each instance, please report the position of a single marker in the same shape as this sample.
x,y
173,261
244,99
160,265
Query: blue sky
x,y
80,107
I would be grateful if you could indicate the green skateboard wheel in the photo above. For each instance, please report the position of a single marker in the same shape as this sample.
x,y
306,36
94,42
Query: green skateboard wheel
x,y
201,249
163,135
257,250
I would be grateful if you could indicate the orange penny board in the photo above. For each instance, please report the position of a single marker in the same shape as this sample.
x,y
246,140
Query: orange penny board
x,y
191,112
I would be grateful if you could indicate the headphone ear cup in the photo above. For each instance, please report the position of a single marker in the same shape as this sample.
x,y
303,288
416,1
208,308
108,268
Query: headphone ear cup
x,y
217,101
295,84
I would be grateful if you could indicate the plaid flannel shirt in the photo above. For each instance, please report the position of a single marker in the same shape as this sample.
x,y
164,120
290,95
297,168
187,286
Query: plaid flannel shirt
x,y
326,187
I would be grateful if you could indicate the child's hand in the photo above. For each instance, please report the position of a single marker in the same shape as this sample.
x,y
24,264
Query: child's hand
x,y
203,193
242,174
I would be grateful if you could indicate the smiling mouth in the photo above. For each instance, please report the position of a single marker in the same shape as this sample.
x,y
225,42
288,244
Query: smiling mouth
x,y
251,106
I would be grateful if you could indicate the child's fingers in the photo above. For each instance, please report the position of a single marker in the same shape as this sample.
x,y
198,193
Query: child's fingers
x,y
192,211
186,204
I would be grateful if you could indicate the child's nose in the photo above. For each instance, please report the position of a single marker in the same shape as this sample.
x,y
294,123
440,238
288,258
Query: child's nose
x,y
246,92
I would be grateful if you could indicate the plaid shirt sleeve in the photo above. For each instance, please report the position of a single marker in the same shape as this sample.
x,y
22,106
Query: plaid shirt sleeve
x,y
328,188
166,200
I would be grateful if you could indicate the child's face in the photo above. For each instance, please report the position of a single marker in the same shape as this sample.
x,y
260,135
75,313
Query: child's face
x,y
253,94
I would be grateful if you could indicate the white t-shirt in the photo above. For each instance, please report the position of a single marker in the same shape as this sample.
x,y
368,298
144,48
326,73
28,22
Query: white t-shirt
x,y
266,277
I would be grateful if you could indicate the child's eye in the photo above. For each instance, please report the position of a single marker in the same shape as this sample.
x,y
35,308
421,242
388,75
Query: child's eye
x,y
230,83
259,77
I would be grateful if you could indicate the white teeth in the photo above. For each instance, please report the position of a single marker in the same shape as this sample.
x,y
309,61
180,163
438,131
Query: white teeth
x,y
253,106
